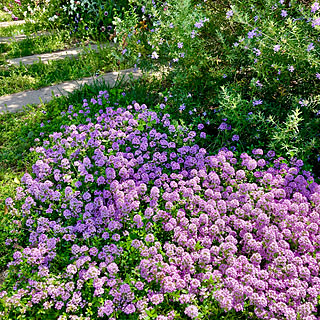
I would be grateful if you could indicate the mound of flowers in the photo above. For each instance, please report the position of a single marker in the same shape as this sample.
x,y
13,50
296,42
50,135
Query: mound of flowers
x,y
128,218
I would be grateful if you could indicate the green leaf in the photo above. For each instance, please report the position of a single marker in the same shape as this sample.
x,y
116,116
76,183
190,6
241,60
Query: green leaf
x,y
133,236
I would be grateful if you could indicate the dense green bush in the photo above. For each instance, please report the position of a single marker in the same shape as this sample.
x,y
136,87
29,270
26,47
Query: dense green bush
x,y
253,63
274,66
84,18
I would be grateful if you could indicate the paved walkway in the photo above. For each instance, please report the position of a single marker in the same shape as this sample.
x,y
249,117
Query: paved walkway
x,y
14,102
45,57
11,23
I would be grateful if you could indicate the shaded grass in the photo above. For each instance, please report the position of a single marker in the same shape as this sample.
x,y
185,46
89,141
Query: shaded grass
x,y
4,16
11,31
31,77
60,40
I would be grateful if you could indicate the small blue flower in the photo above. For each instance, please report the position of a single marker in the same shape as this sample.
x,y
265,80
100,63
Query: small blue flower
x,y
257,102
229,14
310,47
182,107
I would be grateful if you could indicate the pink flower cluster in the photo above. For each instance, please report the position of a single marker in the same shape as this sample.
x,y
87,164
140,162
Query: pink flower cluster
x,y
121,213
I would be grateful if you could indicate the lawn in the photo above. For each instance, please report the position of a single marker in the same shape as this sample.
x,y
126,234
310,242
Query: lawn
x,y
4,16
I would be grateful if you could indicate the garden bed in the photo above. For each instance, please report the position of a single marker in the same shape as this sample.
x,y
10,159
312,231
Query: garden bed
x,y
192,195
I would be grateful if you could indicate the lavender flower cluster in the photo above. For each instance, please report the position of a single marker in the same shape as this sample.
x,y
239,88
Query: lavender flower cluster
x,y
127,216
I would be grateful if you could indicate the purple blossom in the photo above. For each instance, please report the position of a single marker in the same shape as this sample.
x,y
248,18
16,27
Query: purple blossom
x,y
252,33
235,137
223,126
192,311
257,102
291,68
315,7
199,24
182,107
156,299
310,47
276,48
316,22
229,14
257,51
150,237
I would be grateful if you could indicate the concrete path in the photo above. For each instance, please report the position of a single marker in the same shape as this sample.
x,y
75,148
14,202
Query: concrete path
x,y
11,23
58,55
14,102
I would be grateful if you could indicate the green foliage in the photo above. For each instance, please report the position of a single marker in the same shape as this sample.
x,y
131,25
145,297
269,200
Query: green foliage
x,y
167,40
274,58
4,16
11,31
37,44
232,69
83,18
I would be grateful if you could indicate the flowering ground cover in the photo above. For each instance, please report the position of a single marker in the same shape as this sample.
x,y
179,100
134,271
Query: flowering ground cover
x,y
165,200
126,216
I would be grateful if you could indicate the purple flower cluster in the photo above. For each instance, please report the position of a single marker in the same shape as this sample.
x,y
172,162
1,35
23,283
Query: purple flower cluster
x,y
103,196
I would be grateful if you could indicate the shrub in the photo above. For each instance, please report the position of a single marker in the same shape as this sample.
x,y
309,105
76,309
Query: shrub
x,y
163,35
254,63
124,216
83,18
38,14
91,18
273,93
